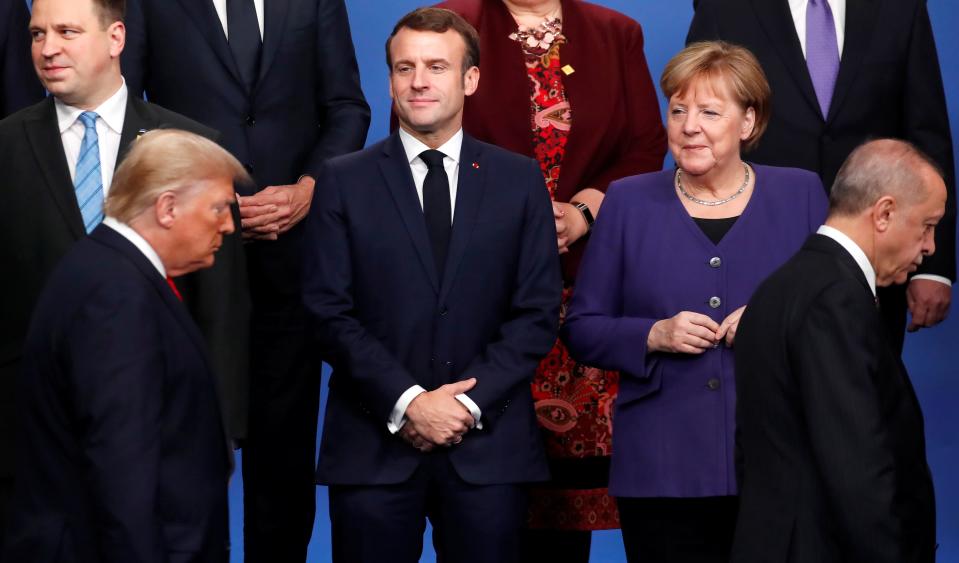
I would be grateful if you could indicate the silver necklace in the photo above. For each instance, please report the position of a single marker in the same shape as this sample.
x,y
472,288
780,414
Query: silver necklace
x,y
711,202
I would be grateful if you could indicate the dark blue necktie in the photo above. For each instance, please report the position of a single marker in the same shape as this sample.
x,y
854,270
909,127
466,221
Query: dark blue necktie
x,y
244,38
436,207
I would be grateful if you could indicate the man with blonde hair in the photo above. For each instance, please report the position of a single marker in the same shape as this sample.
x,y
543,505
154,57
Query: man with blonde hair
x,y
122,453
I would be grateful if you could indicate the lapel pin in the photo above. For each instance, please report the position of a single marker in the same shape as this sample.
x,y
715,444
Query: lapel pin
x,y
568,69
476,165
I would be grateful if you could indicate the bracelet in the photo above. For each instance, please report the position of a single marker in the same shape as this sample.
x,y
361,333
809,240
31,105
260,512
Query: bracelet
x,y
587,214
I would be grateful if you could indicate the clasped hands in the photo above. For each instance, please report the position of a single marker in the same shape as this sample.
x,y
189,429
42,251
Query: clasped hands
x,y
274,210
437,418
692,333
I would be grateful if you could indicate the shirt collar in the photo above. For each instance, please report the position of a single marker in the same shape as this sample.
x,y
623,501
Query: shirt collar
x,y
852,248
138,241
414,146
112,111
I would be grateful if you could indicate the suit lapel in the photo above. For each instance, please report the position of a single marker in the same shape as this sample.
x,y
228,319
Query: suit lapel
x,y
778,24
135,122
43,134
274,16
399,179
469,195
860,23
205,18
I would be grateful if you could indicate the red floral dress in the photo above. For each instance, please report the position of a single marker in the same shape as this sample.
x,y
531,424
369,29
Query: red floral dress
x,y
573,402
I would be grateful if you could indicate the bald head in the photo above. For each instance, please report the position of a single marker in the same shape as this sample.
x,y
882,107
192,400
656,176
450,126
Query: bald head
x,y
885,167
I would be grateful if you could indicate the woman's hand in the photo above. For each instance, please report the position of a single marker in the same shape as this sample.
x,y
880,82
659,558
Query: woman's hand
x,y
729,326
686,333
570,225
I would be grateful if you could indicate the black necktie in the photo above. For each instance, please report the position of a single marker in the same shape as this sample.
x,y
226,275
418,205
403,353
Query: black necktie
x,y
436,207
244,33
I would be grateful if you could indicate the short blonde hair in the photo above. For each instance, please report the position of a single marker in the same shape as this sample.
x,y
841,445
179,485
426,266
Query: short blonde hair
x,y
734,65
166,160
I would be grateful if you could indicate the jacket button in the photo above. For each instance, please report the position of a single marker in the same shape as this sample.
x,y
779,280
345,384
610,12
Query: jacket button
x,y
715,261
250,121
715,302
443,312
712,384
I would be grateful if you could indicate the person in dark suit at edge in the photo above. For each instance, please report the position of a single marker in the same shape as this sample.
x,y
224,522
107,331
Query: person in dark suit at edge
x,y
843,72
18,84
279,80
123,452
76,53
432,275
833,456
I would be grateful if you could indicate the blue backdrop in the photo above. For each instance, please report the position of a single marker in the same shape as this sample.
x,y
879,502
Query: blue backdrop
x,y
928,354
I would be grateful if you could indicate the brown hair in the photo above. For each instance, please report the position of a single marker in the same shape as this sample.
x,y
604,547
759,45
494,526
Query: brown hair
x,y
876,169
166,160
734,65
439,20
110,11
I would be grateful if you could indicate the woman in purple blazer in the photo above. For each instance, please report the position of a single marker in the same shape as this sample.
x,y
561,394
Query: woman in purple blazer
x,y
672,262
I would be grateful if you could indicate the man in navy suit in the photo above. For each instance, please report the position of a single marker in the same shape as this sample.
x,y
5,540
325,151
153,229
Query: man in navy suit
x,y
18,85
432,278
122,452
278,79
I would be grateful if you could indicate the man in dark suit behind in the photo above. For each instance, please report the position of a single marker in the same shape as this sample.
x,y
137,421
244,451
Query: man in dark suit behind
x,y
279,80
843,72
123,452
831,434
433,280
18,84
40,150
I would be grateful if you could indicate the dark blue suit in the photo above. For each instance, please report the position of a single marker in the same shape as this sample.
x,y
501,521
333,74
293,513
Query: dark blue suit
x,y
305,107
387,320
19,86
122,455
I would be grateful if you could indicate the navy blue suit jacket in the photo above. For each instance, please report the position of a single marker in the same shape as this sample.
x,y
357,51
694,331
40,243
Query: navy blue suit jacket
x,y
122,455
386,320
306,106
19,86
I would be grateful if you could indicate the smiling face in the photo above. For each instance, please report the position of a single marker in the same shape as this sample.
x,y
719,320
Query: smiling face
x,y
202,217
427,83
907,232
75,56
706,128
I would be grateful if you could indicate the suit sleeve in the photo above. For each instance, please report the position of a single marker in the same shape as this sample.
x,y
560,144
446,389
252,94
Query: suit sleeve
x,y
19,86
374,374
344,113
835,358
596,331
531,327
646,146
703,27
118,361
927,126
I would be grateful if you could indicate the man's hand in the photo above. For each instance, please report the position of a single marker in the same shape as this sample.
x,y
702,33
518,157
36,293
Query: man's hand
x,y
274,210
928,302
437,417
415,440
570,225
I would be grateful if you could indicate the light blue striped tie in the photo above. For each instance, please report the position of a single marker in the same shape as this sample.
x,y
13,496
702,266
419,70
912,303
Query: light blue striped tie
x,y
88,180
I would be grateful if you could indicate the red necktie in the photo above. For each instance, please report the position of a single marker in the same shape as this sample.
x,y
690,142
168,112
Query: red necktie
x,y
172,285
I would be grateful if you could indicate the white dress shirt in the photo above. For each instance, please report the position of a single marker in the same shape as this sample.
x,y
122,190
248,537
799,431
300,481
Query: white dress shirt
x,y
451,149
853,249
110,115
138,241
798,10
220,6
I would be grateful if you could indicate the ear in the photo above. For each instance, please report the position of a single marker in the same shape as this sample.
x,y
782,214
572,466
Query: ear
x,y
471,80
165,209
117,32
882,213
749,123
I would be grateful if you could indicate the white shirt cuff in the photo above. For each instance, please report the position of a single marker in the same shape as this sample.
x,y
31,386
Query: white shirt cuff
x,y
398,416
473,408
940,279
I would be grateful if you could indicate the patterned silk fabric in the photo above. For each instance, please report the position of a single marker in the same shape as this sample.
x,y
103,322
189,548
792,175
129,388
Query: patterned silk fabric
x,y
573,401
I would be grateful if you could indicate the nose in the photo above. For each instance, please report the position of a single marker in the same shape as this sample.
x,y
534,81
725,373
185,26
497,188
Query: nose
x,y
49,45
420,81
929,244
226,224
690,123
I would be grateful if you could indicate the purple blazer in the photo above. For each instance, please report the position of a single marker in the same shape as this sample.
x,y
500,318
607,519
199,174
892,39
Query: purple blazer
x,y
648,260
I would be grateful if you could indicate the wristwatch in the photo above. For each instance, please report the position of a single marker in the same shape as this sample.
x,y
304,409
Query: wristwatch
x,y
587,214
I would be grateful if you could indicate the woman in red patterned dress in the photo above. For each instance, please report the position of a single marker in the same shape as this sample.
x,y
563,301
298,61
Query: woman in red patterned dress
x,y
566,83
